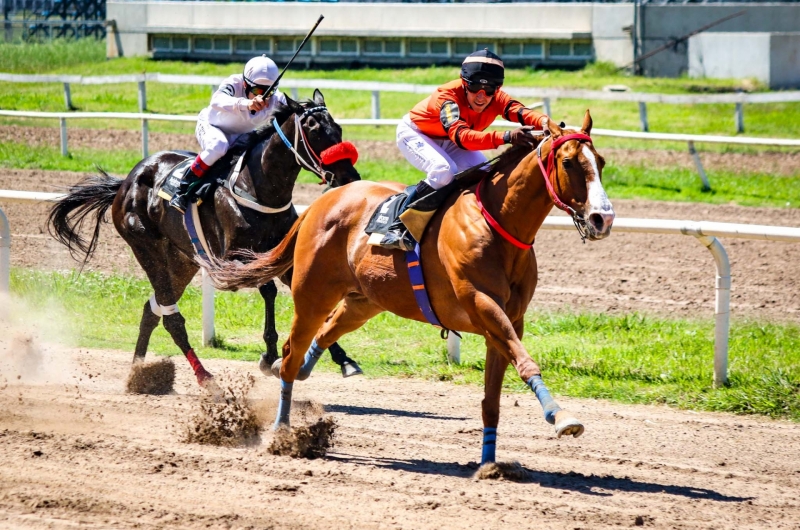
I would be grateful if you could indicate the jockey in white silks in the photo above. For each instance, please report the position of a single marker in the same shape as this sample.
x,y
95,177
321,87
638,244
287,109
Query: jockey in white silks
x,y
241,104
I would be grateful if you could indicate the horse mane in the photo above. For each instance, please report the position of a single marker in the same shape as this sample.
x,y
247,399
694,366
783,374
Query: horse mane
x,y
475,174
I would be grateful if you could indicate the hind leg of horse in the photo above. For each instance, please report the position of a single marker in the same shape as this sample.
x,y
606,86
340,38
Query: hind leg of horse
x,y
269,291
311,310
348,366
351,314
147,325
493,375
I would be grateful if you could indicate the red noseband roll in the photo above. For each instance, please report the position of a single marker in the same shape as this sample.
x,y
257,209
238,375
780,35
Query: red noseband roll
x,y
338,152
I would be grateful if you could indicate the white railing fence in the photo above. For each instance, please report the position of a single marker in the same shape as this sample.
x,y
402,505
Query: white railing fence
x,y
690,139
738,99
705,232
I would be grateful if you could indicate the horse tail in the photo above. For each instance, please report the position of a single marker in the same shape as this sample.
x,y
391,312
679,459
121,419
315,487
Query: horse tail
x,y
259,268
93,194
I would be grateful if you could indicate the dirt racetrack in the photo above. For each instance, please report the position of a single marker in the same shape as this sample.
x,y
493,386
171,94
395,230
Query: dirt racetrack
x,y
78,452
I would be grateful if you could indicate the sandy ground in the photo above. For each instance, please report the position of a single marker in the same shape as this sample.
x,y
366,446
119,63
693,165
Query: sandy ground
x,y
76,451
672,275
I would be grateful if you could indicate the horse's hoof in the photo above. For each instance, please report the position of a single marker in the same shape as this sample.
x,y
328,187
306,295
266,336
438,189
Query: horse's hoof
x,y
211,387
264,365
276,368
568,424
351,368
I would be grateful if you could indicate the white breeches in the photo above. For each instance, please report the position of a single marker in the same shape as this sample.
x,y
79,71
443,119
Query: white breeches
x,y
439,159
213,142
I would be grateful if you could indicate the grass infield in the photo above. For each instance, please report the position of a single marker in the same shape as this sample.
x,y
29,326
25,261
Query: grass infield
x,y
632,358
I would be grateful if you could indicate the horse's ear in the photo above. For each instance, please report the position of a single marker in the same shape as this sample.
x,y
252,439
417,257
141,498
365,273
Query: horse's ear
x,y
294,105
553,127
586,128
319,99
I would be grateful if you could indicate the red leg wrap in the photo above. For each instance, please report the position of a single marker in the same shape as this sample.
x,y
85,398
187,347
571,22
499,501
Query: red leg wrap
x,y
201,373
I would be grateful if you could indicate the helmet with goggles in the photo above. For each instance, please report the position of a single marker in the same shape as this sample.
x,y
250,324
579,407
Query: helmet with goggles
x,y
483,70
259,75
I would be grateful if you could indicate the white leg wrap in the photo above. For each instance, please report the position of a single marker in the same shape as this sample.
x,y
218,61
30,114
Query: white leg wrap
x,y
154,307
162,310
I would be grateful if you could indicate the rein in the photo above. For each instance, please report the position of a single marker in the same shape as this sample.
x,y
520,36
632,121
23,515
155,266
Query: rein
x,y
314,162
577,219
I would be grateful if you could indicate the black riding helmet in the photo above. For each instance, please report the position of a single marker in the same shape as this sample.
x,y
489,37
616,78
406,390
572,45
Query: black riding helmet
x,y
483,67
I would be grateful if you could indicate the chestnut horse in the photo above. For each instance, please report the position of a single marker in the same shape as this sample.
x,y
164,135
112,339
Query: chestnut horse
x,y
477,260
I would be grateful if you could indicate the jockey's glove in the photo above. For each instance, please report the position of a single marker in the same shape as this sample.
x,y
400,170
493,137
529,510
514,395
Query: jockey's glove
x,y
520,136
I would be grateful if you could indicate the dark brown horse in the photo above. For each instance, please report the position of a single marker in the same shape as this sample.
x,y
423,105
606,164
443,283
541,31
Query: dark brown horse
x,y
157,235
477,258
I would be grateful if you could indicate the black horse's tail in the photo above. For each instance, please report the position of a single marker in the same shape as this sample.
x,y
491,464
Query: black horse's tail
x,y
260,268
92,194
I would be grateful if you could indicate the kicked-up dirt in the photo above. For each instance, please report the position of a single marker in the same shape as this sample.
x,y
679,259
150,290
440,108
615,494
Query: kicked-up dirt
x,y
81,452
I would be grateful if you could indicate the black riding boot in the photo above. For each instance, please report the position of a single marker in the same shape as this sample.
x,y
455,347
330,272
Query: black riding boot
x,y
184,196
398,237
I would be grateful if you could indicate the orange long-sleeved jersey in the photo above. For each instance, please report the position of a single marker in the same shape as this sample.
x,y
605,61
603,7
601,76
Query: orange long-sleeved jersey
x,y
447,114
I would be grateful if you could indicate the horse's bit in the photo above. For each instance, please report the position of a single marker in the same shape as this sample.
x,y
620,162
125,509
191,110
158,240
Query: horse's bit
x,y
311,161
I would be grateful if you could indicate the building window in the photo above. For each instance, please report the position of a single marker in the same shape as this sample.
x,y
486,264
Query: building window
x,y
204,44
582,49
381,47
512,49
391,47
348,46
161,44
560,49
428,47
532,49
338,46
243,45
329,46
263,45
289,45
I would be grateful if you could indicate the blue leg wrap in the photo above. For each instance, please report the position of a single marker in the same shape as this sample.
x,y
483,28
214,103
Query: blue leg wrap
x,y
489,444
284,405
312,356
548,403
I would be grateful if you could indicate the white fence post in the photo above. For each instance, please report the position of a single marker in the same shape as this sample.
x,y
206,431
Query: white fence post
x,y
739,117
722,308
145,139
67,97
5,253
295,93
699,165
208,310
63,123
142,96
546,103
643,116
376,105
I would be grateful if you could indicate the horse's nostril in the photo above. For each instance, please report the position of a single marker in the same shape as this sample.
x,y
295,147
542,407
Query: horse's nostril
x,y
596,221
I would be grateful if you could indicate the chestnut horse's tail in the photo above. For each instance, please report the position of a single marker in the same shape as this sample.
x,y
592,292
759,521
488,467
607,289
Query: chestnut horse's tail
x,y
259,268
93,194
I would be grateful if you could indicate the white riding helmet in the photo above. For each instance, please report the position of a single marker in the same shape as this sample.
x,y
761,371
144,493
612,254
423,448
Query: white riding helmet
x,y
260,71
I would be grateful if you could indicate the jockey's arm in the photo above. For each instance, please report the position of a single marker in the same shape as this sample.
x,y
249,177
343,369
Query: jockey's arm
x,y
224,99
515,111
462,135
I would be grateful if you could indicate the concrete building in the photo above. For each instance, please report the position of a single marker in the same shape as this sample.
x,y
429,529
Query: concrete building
x,y
405,34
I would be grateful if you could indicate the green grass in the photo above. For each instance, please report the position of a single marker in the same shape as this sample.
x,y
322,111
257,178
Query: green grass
x,y
632,358
86,57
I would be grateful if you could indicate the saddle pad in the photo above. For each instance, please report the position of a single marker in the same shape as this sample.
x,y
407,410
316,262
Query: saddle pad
x,y
385,214
172,183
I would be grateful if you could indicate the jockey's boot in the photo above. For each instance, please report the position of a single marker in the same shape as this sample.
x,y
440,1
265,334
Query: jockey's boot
x,y
398,237
185,196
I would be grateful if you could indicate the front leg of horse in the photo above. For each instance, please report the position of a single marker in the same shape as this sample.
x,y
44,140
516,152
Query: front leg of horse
x,y
151,316
269,292
175,324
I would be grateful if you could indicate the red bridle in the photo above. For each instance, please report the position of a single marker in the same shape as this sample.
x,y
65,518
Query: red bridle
x,y
548,184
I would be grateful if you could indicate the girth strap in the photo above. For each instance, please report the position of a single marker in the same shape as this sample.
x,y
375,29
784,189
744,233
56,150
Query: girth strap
x,y
418,285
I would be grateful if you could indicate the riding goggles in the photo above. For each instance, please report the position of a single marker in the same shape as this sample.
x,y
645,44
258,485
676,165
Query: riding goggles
x,y
260,90
488,88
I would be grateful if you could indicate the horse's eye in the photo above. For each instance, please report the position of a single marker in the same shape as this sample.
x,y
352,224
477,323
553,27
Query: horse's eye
x,y
566,163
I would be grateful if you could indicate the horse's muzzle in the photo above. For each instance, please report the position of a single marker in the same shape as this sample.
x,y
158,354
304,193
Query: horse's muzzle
x,y
598,224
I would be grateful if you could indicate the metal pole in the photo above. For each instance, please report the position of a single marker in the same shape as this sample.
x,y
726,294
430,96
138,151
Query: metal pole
x,y
376,105
145,139
699,165
67,97
5,254
546,103
739,117
63,122
208,310
142,96
295,93
643,116
454,348
722,308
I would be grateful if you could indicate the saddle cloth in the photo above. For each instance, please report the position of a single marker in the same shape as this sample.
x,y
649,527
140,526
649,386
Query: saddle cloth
x,y
386,214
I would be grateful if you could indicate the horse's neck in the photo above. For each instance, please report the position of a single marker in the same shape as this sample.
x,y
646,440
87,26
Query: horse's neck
x,y
277,172
522,200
